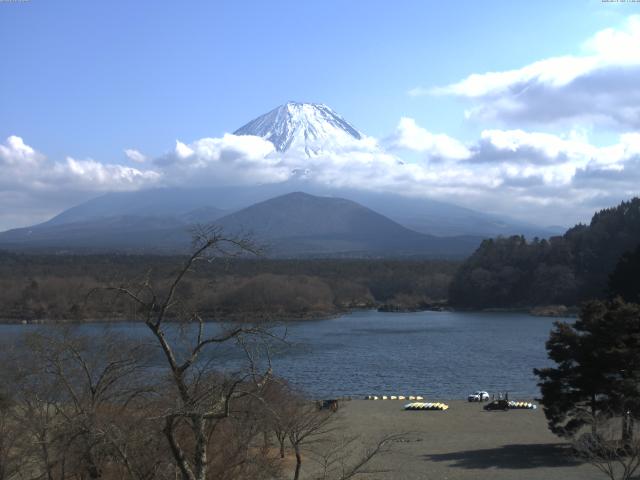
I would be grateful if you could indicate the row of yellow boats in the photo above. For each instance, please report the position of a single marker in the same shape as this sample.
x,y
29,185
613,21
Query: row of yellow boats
x,y
418,404
523,405
393,397
426,406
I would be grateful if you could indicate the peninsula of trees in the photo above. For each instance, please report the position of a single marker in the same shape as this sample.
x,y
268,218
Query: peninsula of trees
x,y
569,269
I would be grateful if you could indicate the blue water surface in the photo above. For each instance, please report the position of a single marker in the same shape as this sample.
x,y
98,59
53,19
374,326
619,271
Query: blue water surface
x,y
436,354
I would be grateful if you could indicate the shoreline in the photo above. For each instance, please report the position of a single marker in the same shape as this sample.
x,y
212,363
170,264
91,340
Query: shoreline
x,y
541,311
237,318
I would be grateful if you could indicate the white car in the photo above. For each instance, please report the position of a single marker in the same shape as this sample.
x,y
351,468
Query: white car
x,y
479,396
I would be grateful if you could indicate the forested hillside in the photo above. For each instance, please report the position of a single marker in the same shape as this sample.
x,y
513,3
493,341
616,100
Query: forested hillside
x,y
514,272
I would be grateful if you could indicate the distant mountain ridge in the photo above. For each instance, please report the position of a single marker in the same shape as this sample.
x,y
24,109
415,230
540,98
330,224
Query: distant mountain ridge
x,y
419,214
296,224
160,202
309,225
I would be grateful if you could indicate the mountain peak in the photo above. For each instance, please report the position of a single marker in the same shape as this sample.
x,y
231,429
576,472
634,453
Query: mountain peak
x,y
307,127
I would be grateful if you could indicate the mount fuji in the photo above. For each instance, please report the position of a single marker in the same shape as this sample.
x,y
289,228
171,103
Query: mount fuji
x,y
158,219
312,128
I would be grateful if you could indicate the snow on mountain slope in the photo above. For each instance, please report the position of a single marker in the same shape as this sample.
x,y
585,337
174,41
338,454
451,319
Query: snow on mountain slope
x,y
312,128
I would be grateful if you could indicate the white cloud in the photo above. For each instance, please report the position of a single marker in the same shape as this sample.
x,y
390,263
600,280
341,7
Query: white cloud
x,y
21,166
517,172
537,175
408,135
95,176
15,153
231,159
598,87
34,188
182,151
135,155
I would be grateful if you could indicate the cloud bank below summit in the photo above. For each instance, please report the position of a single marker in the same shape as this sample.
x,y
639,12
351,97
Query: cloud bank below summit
x,y
537,173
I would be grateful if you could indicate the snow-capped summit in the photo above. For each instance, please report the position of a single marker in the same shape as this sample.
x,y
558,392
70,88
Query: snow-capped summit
x,y
308,127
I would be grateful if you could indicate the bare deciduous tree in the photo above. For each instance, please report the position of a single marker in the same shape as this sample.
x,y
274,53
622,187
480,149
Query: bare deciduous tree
x,y
307,425
345,457
84,402
614,452
201,401
315,432
11,436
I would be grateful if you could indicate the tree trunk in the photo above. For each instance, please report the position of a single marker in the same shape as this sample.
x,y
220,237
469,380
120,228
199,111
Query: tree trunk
x,y
627,429
594,428
200,460
296,475
177,452
92,469
45,455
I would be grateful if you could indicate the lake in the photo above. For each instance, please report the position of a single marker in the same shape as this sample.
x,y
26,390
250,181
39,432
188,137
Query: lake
x,y
442,355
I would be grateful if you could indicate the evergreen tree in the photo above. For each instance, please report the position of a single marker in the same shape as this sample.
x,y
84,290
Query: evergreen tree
x,y
598,367
625,279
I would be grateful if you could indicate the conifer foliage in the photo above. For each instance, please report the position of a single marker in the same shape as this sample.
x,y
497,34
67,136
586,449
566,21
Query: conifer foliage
x,y
597,368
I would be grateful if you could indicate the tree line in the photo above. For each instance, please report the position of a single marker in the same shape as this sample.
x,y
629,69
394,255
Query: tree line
x,y
568,269
54,287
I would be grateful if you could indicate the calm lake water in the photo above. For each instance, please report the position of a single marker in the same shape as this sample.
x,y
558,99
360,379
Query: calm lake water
x,y
436,354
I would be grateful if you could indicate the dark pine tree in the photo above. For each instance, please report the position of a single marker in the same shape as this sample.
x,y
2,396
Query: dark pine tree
x,y
625,279
597,367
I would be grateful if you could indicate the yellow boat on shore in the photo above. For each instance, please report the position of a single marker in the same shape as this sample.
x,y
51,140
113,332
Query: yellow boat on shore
x,y
426,406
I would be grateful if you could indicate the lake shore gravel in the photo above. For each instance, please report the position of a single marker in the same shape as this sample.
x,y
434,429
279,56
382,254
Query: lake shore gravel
x,y
463,442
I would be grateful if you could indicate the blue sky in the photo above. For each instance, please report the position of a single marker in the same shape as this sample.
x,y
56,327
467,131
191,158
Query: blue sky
x,y
90,79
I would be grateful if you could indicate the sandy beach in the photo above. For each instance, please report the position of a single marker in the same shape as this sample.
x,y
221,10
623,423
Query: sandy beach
x,y
464,442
